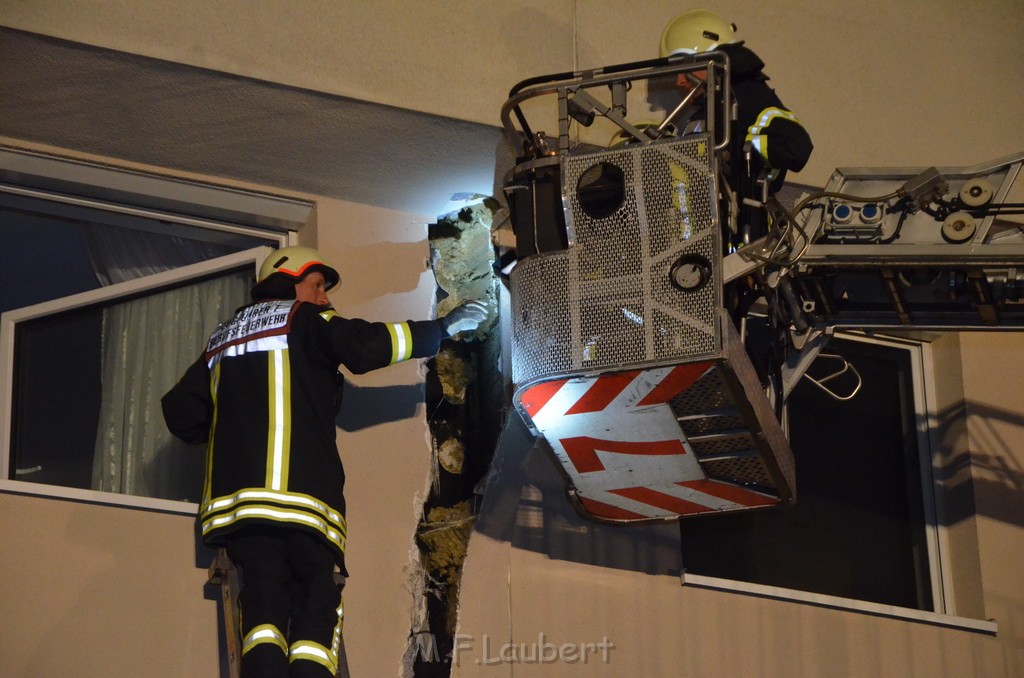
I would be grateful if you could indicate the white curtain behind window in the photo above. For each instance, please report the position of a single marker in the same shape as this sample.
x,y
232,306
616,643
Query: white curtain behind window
x,y
147,345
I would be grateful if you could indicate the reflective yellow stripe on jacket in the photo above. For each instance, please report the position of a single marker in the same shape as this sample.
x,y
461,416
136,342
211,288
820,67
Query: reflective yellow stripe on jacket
x,y
401,342
279,434
758,139
277,506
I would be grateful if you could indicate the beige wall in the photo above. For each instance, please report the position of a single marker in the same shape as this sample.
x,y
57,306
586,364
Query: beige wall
x,y
993,366
659,628
876,83
456,58
382,257
101,591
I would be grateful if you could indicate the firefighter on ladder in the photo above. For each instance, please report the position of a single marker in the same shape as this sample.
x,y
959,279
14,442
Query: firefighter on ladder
x,y
263,396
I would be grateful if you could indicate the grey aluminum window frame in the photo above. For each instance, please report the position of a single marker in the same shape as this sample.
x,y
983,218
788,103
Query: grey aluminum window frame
x,y
923,366
166,202
104,295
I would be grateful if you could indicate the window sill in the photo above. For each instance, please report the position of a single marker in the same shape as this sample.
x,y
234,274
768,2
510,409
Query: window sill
x,y
988,627
95,497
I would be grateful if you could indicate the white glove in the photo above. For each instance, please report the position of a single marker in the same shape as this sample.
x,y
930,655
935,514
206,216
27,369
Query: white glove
x,y
465,318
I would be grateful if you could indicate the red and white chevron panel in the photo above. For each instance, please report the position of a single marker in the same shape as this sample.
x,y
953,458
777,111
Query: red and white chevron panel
x,y
623,449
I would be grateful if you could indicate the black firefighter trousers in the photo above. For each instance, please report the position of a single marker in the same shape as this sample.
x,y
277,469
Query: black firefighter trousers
x,y
291,611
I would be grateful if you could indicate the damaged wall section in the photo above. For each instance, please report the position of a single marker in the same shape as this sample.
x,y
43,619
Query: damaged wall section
x,y
465,410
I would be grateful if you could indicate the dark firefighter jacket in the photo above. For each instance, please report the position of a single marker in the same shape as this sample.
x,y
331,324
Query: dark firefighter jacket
x,y
264,398
779,140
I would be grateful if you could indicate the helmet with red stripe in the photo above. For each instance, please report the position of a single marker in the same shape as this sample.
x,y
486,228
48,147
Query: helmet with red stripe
x,y
296,263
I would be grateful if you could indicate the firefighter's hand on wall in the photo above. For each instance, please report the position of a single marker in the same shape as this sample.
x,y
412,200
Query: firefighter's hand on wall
x,y
465,318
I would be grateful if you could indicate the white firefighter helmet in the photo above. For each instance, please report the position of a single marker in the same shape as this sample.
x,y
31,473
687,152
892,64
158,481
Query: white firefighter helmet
x,y
295,263
698,30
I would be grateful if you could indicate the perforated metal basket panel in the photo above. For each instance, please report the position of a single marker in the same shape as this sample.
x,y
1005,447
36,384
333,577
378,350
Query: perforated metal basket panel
x,y
723,439
731,444
708,394
608,300
541,323
749,472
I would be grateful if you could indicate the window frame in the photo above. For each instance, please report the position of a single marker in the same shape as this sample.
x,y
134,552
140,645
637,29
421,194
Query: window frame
x,y
104,295
167,203
985,626
922,369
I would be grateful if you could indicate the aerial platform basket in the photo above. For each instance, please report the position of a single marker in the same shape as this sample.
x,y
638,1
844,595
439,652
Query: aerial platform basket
x,y
623,358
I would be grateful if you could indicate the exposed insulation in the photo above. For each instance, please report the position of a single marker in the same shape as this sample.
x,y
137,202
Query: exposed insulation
x,y
455,374
464,414
451,455
462,257
446,539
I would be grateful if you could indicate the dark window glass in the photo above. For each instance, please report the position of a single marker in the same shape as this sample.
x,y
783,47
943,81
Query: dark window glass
x,y
857,529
